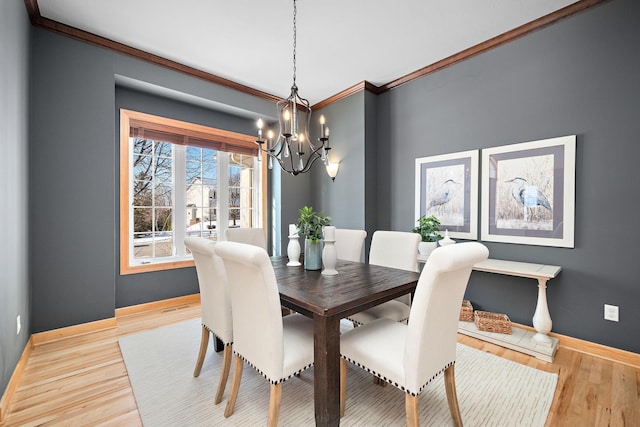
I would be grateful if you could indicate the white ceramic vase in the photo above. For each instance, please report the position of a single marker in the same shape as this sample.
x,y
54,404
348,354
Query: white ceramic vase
x,y
425,248
293,251
447,240
329,258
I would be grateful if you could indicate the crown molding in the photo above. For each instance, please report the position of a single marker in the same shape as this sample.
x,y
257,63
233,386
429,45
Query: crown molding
x,y
358,87
38,21
497,41
57,27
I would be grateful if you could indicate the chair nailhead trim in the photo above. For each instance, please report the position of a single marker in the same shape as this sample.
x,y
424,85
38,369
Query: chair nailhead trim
x,y
406,319
266,377
412,393
216,335
354,321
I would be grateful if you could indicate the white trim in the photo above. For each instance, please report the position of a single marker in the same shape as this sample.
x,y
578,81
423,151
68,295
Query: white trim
x,y
223,191
179,199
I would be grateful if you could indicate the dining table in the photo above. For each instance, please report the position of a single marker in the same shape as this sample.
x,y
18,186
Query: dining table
x,y
327,299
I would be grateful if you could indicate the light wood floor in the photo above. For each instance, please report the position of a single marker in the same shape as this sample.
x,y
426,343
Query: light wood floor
x,y
82,381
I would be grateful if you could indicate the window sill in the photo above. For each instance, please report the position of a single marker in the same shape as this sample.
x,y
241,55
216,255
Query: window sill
x,y
156,266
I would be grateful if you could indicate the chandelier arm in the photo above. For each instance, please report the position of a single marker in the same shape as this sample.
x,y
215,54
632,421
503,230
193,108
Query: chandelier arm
x,y
283,166
279,147
290,168
310,162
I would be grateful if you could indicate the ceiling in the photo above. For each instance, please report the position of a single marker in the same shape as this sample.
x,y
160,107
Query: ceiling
x,y
340,43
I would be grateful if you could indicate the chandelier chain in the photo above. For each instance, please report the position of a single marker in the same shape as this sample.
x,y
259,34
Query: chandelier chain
x,y
295,12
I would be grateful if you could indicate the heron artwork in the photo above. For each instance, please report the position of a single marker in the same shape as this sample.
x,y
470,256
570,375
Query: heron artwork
x,y
529,197
443,195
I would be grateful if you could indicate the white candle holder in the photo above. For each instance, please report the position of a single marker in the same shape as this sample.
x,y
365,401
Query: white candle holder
x,y
293,251
329,258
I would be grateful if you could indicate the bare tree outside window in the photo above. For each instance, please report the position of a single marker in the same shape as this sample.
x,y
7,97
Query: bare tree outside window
x,y
152,198
170,188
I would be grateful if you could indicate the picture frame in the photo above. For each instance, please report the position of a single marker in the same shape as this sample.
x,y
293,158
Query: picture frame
x,y
528,192
446,186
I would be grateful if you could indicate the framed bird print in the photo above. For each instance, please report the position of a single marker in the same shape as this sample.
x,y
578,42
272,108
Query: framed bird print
x,y
528,192
447,188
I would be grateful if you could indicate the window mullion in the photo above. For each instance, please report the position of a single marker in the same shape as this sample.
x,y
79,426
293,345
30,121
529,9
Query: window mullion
x,y
179,202
255,203
154,161
223,197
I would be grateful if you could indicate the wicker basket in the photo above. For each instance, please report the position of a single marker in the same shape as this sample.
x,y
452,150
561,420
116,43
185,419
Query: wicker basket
x,y
466,311
492,322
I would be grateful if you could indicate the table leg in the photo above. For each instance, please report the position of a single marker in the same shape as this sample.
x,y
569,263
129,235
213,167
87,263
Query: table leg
x,y
326,381
542,318
218,345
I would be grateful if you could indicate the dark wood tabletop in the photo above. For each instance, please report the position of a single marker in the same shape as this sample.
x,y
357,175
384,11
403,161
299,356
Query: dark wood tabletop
x,y
327,299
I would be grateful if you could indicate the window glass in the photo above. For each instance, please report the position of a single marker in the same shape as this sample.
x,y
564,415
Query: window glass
x,y
171,186
201,192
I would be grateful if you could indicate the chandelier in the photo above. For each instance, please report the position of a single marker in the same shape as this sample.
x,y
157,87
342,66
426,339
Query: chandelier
x,y
293,149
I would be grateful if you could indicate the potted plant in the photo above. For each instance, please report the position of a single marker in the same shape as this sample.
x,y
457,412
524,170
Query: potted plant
x,y
310,224
429,230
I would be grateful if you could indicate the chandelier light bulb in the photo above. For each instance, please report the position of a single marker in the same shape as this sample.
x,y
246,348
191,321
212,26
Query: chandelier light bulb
x,y
260,124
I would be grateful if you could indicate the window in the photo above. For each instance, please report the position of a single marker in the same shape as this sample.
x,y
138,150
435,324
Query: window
x,y
179,179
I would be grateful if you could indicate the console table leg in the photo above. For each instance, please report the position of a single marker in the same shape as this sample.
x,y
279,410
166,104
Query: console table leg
x,y
542,318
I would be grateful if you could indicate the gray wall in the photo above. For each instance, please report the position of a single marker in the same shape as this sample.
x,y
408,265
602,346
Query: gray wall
x,y
373,185
343,199
296,192
579,76
139,288
71,183
74,183
14,95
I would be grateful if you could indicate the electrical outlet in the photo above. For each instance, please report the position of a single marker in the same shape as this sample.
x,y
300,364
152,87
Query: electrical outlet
x,y
611,312
18,325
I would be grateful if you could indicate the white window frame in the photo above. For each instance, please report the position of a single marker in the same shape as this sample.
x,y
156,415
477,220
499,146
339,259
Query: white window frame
x,y
230,141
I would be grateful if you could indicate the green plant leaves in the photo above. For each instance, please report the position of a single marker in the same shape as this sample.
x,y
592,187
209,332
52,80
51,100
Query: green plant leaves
x,y
310,223
428,228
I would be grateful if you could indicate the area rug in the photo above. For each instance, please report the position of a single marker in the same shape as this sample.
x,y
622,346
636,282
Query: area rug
x,y
491,391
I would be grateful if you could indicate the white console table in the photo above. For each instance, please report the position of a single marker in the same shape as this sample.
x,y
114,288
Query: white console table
x,y
537,344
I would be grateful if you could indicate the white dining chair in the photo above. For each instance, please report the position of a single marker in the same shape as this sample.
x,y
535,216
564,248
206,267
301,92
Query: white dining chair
x,y
349,244
251,236
277,347
215,305
411,356
395,249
